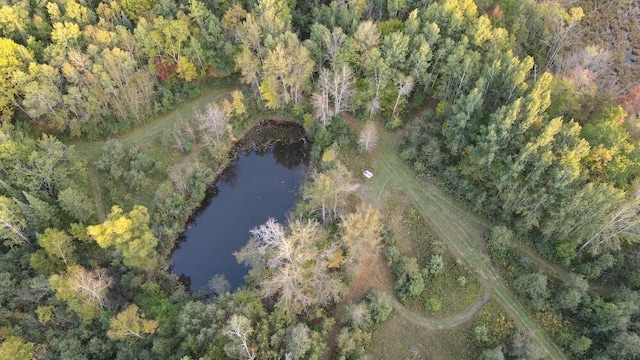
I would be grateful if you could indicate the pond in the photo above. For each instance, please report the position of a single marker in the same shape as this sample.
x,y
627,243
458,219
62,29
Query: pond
x,y
263,181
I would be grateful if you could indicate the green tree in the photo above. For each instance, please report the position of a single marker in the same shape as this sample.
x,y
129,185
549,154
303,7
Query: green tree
x,y
130,235
378,75
14,347
625,345
534,287
76,204
580,345
58,245
328,192
38,213
492,354
419,61
409,280
298,341
209,46
395,49
42,97
436,264
51,163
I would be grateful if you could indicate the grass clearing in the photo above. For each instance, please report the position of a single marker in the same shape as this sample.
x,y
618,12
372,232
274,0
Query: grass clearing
x,y
399,338
455,288
413,332
461,230
161,124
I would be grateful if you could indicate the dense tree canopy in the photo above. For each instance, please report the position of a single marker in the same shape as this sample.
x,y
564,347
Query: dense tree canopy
x,y
512,119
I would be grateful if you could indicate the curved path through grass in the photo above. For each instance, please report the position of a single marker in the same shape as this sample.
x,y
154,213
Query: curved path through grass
x,y
158,124
460,229
438,324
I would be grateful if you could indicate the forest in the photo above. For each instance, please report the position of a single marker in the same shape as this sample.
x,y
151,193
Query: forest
x,y
117,116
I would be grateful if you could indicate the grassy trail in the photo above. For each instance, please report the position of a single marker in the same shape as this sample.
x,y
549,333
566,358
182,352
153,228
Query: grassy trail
x,y
96,191
460,229
156,126
438,324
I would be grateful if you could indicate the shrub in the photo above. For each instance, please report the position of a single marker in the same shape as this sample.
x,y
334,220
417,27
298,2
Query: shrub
x,y
433,304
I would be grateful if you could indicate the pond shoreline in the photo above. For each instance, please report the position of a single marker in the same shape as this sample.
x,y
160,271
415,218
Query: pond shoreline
x,y
282,141
240,146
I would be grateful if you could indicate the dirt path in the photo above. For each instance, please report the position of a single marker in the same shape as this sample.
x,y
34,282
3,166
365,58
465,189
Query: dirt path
x,y
439,324
460,229
374,273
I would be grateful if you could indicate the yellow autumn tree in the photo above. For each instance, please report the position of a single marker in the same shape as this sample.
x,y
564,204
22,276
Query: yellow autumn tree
x,y
130,236
16,348
130,323
361,233
186,69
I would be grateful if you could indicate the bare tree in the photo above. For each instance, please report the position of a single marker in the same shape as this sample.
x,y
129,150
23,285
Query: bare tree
x,y
296,271
212,122
368,136
334,43
238,330
11,224
320,98
586,68
92,285
622,226
342,90
405,86
219,285
333,87
563,27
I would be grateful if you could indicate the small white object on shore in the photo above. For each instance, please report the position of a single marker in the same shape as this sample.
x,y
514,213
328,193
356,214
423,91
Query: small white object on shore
x,y
368,174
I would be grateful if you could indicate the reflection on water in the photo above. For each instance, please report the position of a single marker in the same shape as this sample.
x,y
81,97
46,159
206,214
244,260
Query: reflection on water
x,y
256,186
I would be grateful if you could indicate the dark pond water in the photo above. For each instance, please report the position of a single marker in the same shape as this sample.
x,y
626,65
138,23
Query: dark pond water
x,y
258,185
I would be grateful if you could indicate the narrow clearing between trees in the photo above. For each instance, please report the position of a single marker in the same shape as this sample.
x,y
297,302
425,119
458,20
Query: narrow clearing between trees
x,y
91,150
